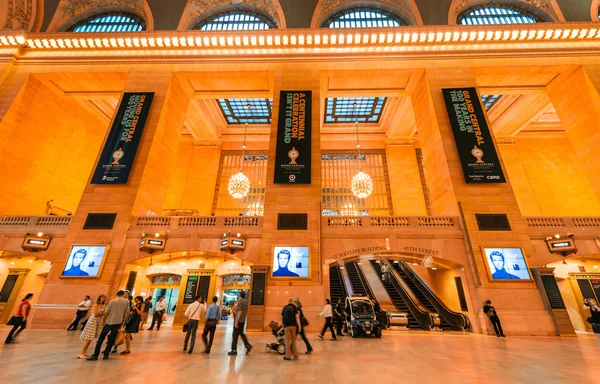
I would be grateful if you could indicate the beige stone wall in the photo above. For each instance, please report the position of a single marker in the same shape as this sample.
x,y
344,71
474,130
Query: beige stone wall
x,y
405,181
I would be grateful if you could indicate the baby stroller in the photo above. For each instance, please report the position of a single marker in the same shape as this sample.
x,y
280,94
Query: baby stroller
x,y
279,334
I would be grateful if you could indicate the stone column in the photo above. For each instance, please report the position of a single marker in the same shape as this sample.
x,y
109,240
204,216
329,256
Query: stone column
x,y
518,303
144,193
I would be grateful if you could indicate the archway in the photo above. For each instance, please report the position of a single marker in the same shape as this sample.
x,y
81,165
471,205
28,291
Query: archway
x,y
406,8
20,273
181,276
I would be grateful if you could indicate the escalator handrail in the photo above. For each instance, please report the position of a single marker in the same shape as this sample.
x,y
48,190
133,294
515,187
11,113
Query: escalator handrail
x,y
363,281
422,315
456,320
345,279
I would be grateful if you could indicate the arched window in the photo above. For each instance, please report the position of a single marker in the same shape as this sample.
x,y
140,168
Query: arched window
x,y
238,20
110,22
496,14
363,18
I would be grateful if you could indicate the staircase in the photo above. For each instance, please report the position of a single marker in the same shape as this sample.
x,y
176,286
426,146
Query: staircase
x,y
336,288
356,280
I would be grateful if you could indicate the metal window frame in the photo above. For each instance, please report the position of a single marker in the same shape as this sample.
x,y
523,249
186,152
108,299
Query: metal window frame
x,y
250,119
351,118
468,14
95,21
386,15
229,25
490,100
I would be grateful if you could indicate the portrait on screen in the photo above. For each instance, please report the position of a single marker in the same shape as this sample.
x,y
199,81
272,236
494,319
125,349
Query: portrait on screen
x,y
85,261
507,264
290,262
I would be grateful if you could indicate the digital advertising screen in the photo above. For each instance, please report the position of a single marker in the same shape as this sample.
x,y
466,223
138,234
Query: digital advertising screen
x,y
507,264
291,262
85,261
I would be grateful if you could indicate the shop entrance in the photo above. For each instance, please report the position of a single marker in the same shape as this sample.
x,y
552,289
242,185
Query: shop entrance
x,y
233,285
170,295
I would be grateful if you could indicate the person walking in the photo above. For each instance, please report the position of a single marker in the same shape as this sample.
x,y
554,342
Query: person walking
x,y
193,313
147,308
159,311
132,325
493,315
385,275
19,320
241,311
327,313
210,325
290,318
303,324
82,311
94,325
594,319
338,316
115,317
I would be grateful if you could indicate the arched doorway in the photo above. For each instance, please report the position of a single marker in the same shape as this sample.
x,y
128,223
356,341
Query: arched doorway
x,y
20,274
181,276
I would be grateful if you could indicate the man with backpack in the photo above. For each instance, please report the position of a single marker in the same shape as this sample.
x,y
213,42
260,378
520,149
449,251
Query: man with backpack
x,y
290,318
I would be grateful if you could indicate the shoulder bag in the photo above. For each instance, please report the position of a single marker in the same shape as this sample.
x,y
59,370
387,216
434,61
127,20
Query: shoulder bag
x,y
186,325
210,323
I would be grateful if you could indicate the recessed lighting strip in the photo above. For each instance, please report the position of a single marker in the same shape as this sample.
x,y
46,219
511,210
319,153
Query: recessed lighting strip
x,y
302,38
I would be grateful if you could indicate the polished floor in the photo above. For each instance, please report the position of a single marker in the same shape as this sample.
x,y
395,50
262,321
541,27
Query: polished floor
x,y
409,357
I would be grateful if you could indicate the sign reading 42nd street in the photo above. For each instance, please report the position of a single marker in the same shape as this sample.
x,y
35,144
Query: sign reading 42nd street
x,y
478,156
293,151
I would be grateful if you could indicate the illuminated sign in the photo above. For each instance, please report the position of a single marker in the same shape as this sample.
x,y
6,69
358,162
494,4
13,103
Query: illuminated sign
x,y
562,246
35,243
152,243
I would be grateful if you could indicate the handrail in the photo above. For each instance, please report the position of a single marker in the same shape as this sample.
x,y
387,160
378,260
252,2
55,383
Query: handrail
x,y
456,320
345,279
344,293
425,318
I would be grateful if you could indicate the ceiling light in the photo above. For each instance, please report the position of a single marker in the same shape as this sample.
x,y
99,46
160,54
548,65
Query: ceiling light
x,y
157,234
40,234
362,184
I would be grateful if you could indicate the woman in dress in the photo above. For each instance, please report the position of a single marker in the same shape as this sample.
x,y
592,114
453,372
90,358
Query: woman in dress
x,y
94,325
133,322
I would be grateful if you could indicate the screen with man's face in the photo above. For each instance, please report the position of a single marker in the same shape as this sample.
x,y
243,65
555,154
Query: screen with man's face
x,y
84,261
507,264
290,262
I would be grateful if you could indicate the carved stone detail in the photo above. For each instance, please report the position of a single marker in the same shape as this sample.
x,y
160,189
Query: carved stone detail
x,y
506,140
326,6
208,143
400,142
199,7
19,14
72,8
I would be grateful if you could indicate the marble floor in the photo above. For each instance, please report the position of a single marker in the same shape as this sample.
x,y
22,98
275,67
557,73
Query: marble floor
x,y
413,357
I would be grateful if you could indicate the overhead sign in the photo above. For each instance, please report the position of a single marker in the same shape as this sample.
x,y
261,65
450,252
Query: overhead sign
x,y
293,151
476,150
121,146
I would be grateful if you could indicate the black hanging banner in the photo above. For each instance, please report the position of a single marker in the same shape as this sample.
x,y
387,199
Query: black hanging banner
x,y
293,151
476,150
119,150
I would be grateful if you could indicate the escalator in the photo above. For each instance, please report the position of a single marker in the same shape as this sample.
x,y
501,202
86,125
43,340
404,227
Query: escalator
x,y
357,280
449,320
418,316
336,287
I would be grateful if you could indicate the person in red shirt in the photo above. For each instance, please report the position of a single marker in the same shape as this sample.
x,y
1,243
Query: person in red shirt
x,y
19,320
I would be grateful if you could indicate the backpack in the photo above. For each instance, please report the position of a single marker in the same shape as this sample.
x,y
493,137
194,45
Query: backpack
x,y
289,318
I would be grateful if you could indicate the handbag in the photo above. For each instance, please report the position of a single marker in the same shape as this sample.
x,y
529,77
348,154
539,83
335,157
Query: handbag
x,y
120,339
186,325
303,321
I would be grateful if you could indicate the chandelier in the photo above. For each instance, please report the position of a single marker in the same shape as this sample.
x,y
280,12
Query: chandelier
x,y
362,184
239,184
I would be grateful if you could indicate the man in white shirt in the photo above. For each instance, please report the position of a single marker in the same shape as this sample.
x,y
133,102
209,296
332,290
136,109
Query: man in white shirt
x,y
82,311
159,311
193,313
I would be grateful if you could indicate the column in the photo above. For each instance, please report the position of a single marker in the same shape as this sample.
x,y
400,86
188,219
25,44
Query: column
x,y
519,303
144,192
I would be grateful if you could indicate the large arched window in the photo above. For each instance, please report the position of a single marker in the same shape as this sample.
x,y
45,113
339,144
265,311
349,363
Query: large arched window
x,y
238,20
110,22
363,18
496,14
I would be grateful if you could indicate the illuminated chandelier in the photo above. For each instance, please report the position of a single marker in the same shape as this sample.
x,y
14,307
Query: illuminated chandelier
x,y
362,184
239,184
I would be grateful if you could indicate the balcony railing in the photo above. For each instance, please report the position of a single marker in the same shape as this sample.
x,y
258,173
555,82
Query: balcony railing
x,y
391,221
35,221
582,222
196,221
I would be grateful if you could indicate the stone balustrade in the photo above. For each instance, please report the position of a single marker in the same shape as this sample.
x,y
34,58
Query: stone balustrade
x,y
34,223
413,222
167,222
549,225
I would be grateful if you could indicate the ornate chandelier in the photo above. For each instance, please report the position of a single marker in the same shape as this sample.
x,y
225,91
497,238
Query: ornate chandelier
x,y
239,184
362,184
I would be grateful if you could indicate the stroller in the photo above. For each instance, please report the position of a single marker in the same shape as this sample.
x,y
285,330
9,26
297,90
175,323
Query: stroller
x,y
279,334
